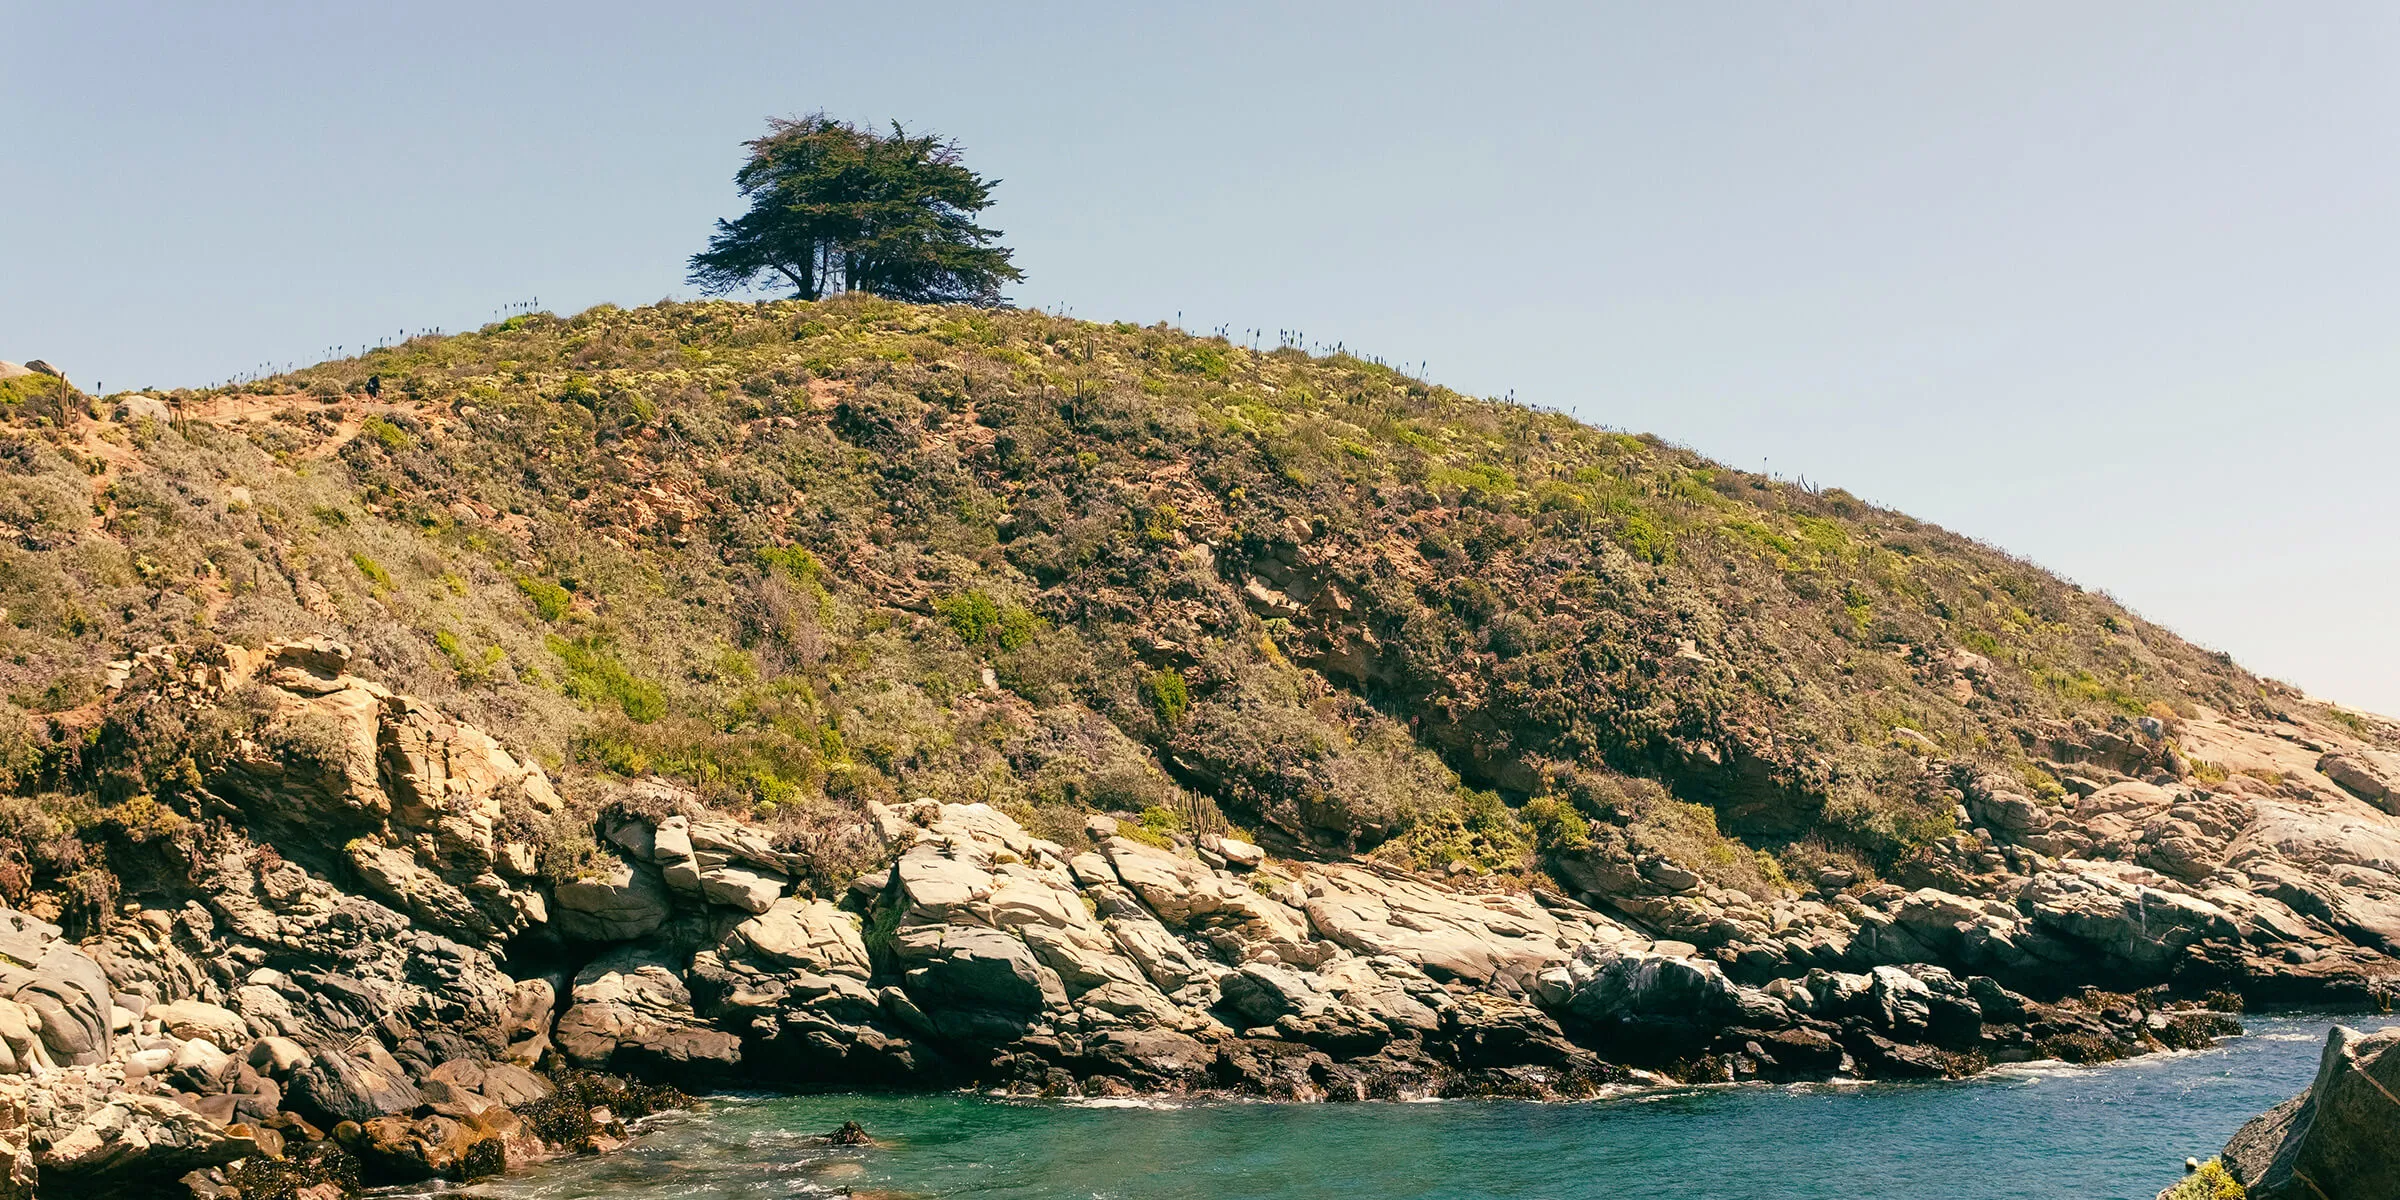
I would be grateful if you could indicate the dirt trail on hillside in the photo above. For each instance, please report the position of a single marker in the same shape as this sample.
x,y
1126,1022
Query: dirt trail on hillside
x,y
106,441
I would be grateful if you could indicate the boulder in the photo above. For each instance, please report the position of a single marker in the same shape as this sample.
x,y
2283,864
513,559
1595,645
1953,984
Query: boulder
x,y
64,995
630,1011
1225,909
811,935
356,1085
198,1066
2338,1138
751,889
1497,941
479,1085
128,1144
1902,1003
1238,854
2137,930
977,985
2371,775
197,1019
1657,1004
277,1057
435,1146
142,407
619,902
525,1023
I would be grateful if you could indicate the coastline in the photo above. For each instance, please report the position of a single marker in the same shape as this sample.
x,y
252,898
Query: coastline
x,y
933,1144
395,1013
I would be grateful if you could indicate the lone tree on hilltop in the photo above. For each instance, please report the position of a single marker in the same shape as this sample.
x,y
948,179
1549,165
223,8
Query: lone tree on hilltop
x,y
835,207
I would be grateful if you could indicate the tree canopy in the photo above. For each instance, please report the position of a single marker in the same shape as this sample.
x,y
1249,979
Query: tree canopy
x,y
836,207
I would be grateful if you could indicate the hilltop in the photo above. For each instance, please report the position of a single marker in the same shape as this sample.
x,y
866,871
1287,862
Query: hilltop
x,y
851,694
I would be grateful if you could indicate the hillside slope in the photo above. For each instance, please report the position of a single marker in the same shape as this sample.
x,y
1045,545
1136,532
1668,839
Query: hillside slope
x,y
852,694
769,549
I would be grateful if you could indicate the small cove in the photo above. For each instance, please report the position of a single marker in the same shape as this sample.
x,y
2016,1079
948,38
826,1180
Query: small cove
x,y
2118,1131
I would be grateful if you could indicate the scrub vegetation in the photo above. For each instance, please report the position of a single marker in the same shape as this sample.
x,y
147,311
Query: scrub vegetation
x,y
804,555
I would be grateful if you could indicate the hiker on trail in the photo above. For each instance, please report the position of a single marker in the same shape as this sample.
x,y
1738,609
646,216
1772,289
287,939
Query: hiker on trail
x,y
374,386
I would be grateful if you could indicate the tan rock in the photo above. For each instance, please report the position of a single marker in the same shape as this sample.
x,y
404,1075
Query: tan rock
x,y
1502,940
196,1019
618,903
811,935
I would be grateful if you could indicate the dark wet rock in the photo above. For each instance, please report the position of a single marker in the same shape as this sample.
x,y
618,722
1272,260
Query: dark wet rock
x,y
336,1086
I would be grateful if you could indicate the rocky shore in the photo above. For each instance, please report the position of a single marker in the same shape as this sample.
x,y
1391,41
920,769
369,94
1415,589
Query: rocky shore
x,y
349,963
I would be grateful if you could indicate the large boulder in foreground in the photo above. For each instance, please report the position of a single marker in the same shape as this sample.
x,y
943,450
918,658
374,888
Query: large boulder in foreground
x,y
2340,1139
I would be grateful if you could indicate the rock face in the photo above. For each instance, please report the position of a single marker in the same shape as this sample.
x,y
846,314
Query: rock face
x,y
60,995
2340,1138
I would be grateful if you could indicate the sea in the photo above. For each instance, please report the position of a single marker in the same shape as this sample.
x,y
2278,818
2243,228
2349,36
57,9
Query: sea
x,y
2041,1131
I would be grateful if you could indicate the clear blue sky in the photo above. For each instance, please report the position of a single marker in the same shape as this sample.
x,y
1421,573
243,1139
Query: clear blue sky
x,y
2114,287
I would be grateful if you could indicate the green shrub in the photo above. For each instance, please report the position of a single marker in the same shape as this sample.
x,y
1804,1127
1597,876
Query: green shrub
x,y
1168,695
1158,524
372,570
737,769
393,438
1477,829
1642,538
595,676
794,561
1556,825
1201,358
2211,1182
549,599
1157,826
979,620
970,614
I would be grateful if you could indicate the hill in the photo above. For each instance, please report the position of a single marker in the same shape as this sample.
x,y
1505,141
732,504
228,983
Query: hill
x,y
850,694
771,550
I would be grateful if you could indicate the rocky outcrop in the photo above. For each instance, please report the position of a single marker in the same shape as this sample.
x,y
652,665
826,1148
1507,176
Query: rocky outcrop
x,y
630,1011
354,957
61,1013
369,787
2275,880
2338,1138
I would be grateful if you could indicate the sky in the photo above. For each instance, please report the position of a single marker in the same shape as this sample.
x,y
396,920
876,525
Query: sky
x,y
2112,287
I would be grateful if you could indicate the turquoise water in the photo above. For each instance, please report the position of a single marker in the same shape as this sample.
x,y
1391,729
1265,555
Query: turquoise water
x,y
2115,1131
